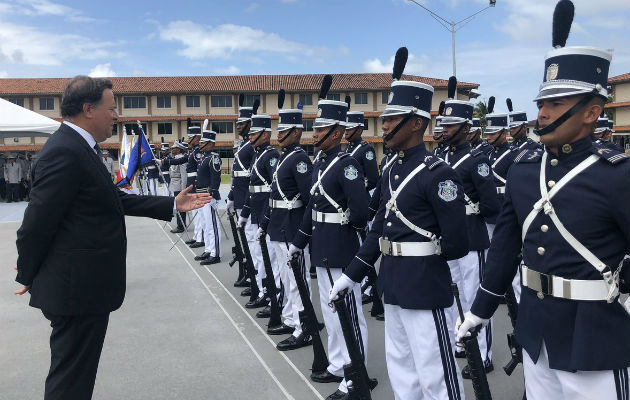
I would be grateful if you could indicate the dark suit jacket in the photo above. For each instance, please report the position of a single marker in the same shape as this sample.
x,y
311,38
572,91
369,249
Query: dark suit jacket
x,y
72,243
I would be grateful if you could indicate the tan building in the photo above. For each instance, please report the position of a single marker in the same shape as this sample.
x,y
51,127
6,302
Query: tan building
x,y
162,104
620,109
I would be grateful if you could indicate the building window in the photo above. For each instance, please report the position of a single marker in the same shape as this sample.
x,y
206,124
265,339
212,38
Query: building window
x,y
306,99
385,97
164,102
133,128
360,98
165,128
365,124
249,99
221,101
193,101
17,100
223,127
225,152
308,124
334,96
46,103
135,102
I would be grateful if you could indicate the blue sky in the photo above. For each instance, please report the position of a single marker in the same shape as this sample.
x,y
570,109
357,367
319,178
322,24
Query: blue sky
x,y
502,49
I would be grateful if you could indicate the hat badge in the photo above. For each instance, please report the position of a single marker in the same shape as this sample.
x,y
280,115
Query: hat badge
x,y
319,112
489,122
552,72
390,98
448,111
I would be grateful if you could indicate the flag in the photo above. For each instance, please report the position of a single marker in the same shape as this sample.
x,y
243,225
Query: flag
x,y
123,160
139,156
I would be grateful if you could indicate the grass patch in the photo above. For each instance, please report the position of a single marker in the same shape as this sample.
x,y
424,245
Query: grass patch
x,y
226,179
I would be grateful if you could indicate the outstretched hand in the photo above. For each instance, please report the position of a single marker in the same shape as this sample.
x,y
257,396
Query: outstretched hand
x,y
186,201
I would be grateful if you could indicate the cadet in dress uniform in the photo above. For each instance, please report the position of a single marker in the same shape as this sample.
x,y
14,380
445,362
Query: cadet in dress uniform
x,y
194,157
109,163
574,331
438,135
261,175
165,152
177,172
518,129
208,181
361,150
482,203
283,214
474,137
416,230
244,155
601,135
336,214
152,175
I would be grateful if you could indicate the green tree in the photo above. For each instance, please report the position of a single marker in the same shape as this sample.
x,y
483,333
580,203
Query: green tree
x,y
480,111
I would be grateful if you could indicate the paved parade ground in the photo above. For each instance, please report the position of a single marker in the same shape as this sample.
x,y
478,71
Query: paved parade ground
x,y
182,333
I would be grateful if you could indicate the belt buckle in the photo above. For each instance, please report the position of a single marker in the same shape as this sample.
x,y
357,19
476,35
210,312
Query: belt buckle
x,y
539,282
388,247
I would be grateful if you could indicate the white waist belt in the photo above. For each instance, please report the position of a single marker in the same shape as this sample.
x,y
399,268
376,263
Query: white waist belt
x,y
191,174
285,204
571,289
409,249
501,189
241,174
260,189
331,218
472,209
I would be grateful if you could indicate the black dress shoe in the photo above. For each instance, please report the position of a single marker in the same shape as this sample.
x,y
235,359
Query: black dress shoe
x,y
366,298
264,313
202,256
338,395
177,230
258,303
487,366
246,292
281,329
196,245
191,241
242,283
210,261
292,342
325,377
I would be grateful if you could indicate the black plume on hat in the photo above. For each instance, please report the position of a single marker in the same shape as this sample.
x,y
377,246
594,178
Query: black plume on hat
x,y
162,139
452,86
188,122
562,20
241,99
400,60
441,108
508,101
491,105
326,82
255,106
348,100
281,95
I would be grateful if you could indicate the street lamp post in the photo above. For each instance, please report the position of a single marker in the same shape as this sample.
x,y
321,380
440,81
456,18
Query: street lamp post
x,y
453,26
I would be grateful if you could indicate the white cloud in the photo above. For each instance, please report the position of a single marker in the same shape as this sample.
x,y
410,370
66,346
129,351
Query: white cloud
x,y
231,70
223,41
252,7
4,74
25,44
102,71
44,8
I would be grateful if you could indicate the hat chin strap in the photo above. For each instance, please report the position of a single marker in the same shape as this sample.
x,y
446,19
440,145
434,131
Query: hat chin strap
x,y
450,139
286,136
322,140
497,139
397,128
564,117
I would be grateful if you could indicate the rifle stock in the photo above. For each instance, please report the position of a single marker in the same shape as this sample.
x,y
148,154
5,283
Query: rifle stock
x,y
237,250
272,290
515,348
254,292
473,355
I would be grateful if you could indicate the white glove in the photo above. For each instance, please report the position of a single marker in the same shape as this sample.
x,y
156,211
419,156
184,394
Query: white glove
x,y
230,206
260,233
242,221
293,250
344,282
471,321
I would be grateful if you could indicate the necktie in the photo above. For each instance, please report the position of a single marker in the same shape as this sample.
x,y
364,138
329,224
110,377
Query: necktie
x,y
98,151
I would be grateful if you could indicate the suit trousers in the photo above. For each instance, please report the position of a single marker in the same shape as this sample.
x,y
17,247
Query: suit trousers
x,y
76,342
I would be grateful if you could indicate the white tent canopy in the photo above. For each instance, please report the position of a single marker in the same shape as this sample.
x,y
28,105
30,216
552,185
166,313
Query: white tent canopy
x,y
17,121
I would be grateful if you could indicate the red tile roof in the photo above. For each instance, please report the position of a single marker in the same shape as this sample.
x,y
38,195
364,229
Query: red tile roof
x,y
619,78
229,84
616,105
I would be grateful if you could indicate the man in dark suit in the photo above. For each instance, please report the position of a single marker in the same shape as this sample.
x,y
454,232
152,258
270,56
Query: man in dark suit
x,y
72,243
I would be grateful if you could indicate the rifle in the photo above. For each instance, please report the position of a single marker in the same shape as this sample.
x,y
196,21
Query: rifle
x,y
515,347
237,254
308,318
473,355
377,304
357,379
272,291
253,287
